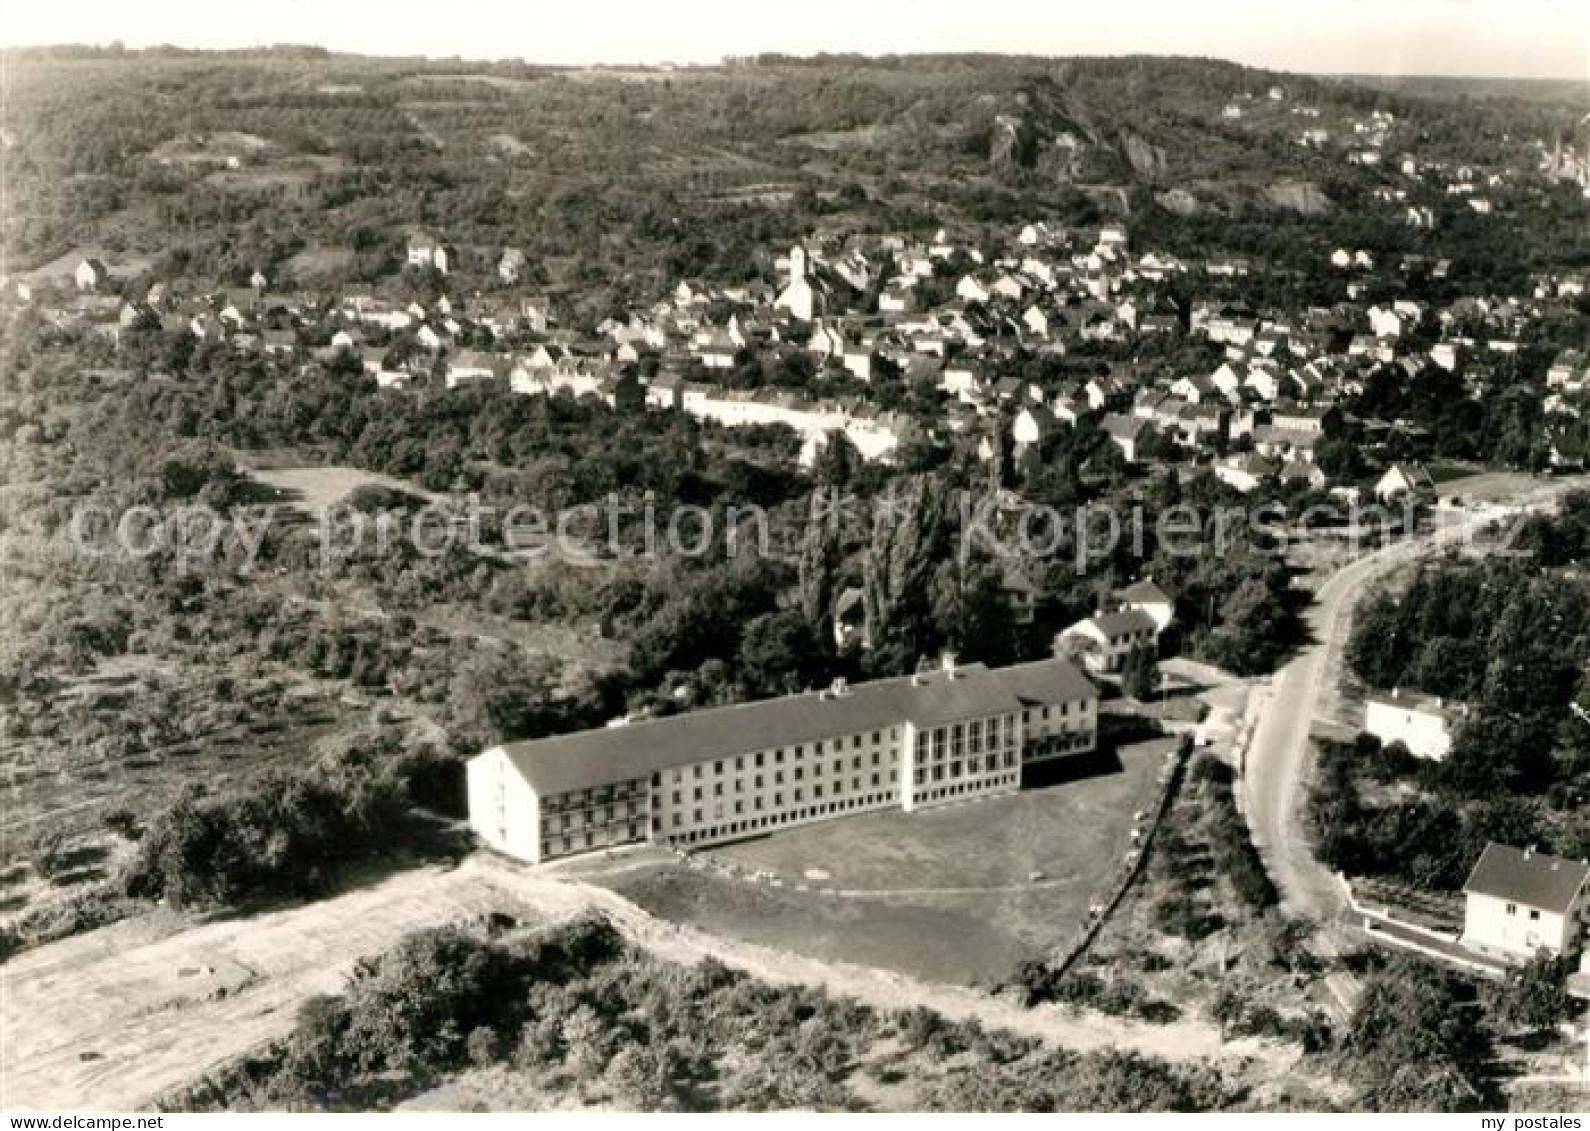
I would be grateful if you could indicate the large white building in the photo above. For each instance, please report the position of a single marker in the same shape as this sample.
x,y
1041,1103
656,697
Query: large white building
x,y
956,733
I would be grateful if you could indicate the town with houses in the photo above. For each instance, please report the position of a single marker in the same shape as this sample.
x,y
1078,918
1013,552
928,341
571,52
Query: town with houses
x,y
1256,416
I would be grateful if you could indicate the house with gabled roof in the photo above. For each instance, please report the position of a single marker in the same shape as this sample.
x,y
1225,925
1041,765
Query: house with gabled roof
x,y
1148,598
426,251
1519,902
90,273
467,367
1403,480
512,265
1245,473
1103,641
1126,433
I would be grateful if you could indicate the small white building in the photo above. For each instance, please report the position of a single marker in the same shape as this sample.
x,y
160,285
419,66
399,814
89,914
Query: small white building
x,y
1126,433
511,266
1422,723
1102,642
1401,481
90,273
1519,902
797,297
423,251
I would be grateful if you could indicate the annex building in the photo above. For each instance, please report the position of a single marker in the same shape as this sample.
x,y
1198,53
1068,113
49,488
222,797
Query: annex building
x,y
954,733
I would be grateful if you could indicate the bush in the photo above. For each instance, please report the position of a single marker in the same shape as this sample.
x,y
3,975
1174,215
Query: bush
x,y
277,838
1207,768
482,1046
1185,917
123,823
1234,853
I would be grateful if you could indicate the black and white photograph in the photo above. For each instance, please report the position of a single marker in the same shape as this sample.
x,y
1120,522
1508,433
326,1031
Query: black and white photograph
x,y
843,557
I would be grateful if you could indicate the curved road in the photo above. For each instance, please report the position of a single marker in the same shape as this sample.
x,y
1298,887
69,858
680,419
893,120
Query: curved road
x,y
1276,760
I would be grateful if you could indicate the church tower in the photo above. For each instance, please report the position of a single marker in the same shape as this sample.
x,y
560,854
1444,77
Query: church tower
x,y
797,265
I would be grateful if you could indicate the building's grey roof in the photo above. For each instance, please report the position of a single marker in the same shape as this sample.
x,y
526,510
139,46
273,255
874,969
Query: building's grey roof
x,y
1533,879
1115,626
1143,592
620,753
1123,427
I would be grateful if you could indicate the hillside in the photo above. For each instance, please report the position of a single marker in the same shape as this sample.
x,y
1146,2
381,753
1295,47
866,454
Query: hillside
x,y
280,158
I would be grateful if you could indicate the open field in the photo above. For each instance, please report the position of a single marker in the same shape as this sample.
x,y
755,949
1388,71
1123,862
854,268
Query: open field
x,y
318,488
318,261
58,271
950,895
1488,486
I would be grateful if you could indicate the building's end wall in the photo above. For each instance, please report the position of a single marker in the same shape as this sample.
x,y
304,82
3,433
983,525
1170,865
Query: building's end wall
x,y
1489,927
503,810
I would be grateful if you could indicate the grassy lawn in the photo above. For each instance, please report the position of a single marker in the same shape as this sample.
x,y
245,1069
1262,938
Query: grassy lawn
x,y
947,895
1491,486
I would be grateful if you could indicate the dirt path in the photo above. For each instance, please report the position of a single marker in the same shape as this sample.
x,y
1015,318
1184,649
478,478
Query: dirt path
x,y
113,1018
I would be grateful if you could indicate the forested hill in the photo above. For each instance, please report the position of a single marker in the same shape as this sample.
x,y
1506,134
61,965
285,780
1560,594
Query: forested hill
x,y
244,160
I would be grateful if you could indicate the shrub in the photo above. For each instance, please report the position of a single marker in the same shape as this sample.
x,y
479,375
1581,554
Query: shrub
x,y
1185,917
123,823
275,839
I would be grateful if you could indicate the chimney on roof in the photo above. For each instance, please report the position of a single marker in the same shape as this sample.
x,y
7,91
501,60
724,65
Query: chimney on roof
x,y
839,687
1529,852
947,662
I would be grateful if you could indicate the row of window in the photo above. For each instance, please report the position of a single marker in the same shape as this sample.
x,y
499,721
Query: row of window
x,y
759,781
676,819
775,820
589,818
562,846
1063,710
999,730
595,796
966,788
1059,744
988,764
739,762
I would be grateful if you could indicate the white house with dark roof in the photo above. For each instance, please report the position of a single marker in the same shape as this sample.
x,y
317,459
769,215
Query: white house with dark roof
x,y
956,733
1148,598
1103,641
89,273
425,251
1126,433
1401,480
798,296
1519,902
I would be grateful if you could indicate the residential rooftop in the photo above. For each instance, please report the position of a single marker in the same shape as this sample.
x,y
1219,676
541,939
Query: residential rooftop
x,y
1533,879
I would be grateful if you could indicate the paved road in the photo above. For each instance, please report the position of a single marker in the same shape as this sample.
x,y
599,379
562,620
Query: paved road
x,y
1276,762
